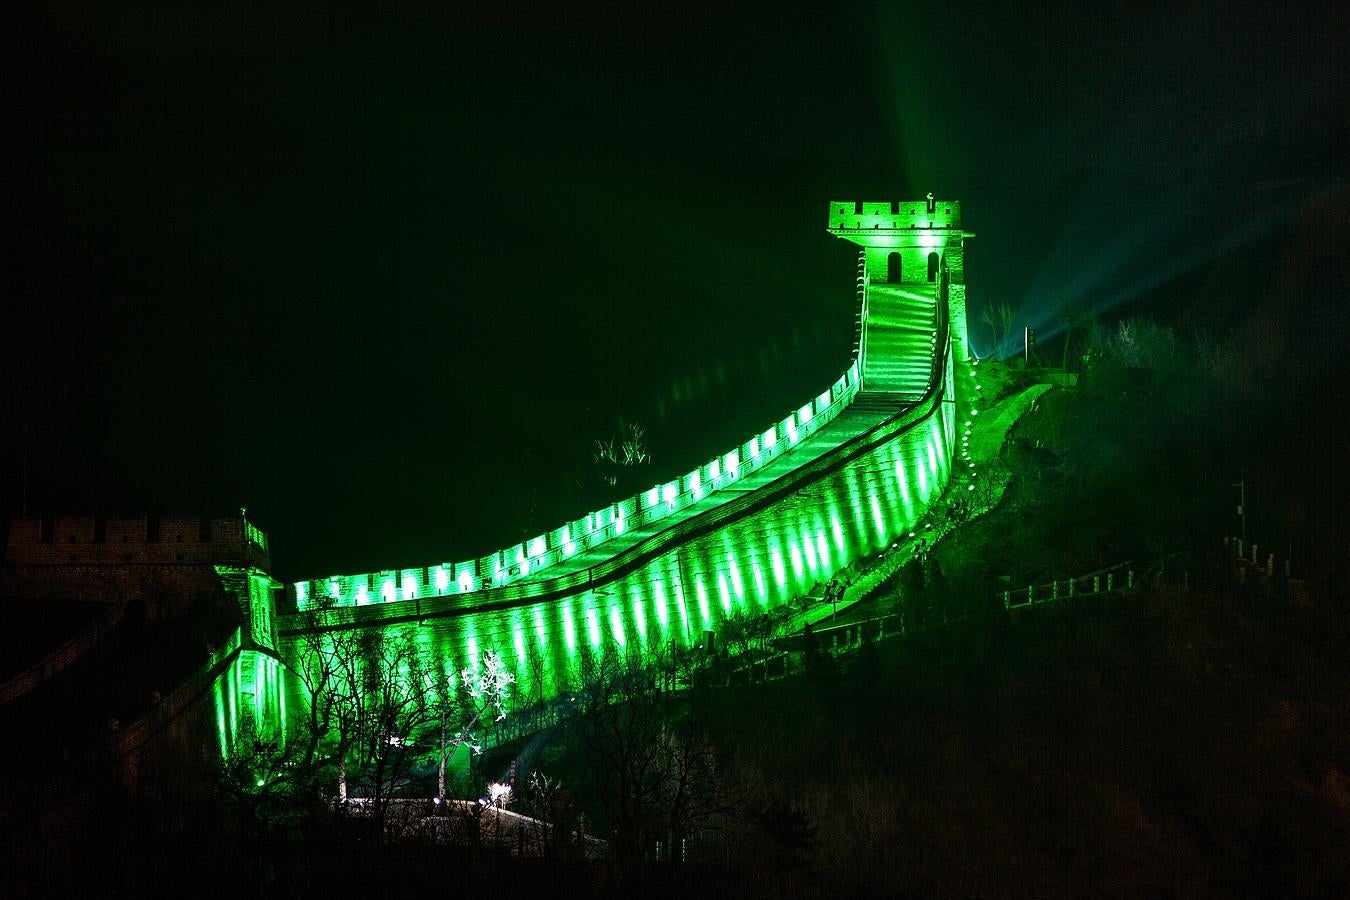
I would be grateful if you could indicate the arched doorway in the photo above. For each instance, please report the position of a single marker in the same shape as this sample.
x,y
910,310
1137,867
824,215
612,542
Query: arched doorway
x,y
932,267
893,269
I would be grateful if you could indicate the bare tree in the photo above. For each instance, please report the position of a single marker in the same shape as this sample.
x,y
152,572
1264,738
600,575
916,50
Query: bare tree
x,y
377,704
325,664
267,780
621,728
999,318
537,665
749,636
385,685
1072,314
546,803
694,794
656,771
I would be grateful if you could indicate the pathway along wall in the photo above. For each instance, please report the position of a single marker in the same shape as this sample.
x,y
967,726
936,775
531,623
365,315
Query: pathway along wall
x,y
773,546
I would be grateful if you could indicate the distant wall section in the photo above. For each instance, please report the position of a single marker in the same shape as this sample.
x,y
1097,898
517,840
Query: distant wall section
x,y
165,561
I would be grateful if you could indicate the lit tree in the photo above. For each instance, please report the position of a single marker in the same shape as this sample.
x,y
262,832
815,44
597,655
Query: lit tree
x,y
634,446
462,700
627,451
607,458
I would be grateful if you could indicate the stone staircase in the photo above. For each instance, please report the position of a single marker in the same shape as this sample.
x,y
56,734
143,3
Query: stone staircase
x,y
898,347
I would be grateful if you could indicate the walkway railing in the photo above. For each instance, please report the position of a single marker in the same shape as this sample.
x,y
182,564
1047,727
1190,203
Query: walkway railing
x,y
487,827
1119,577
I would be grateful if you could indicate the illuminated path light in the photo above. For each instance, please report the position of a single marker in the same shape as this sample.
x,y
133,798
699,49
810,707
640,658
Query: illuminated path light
x,y
834,480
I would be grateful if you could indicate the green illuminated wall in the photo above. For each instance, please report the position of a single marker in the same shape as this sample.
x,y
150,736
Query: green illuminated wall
x,y
571,548
699,563
250,697
912,230
757,563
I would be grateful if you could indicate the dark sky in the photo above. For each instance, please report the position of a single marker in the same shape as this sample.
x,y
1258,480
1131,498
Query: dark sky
x,y
383,278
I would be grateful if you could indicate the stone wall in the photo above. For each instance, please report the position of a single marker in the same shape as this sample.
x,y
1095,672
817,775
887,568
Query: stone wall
x,y
166,563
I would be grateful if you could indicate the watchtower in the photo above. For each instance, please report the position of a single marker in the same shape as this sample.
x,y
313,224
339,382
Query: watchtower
x,y
911,242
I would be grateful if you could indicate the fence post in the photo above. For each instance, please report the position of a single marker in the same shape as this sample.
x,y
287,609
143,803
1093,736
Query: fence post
x,y
1110,581
1096,584
1073,584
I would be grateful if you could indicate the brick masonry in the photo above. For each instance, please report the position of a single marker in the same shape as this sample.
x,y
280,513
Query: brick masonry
x,y
167,563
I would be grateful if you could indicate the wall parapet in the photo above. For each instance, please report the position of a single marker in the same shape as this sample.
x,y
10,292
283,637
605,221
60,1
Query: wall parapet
x,y
163,540
896,215
509,565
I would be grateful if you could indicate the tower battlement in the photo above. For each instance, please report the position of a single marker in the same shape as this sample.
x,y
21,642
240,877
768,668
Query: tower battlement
x,y
894,215
163,540
911,242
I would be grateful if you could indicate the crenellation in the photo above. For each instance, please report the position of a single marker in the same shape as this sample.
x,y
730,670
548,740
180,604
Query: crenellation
x,y
27,531
24,530
73,530
179,530
905,242
125,530
903,215
227,531
115,558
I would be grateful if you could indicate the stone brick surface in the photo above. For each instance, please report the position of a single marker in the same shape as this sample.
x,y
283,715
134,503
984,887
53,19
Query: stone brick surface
x,y
166,563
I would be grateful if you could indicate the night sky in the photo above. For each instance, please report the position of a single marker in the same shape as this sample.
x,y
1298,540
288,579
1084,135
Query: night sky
x,y
384,278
